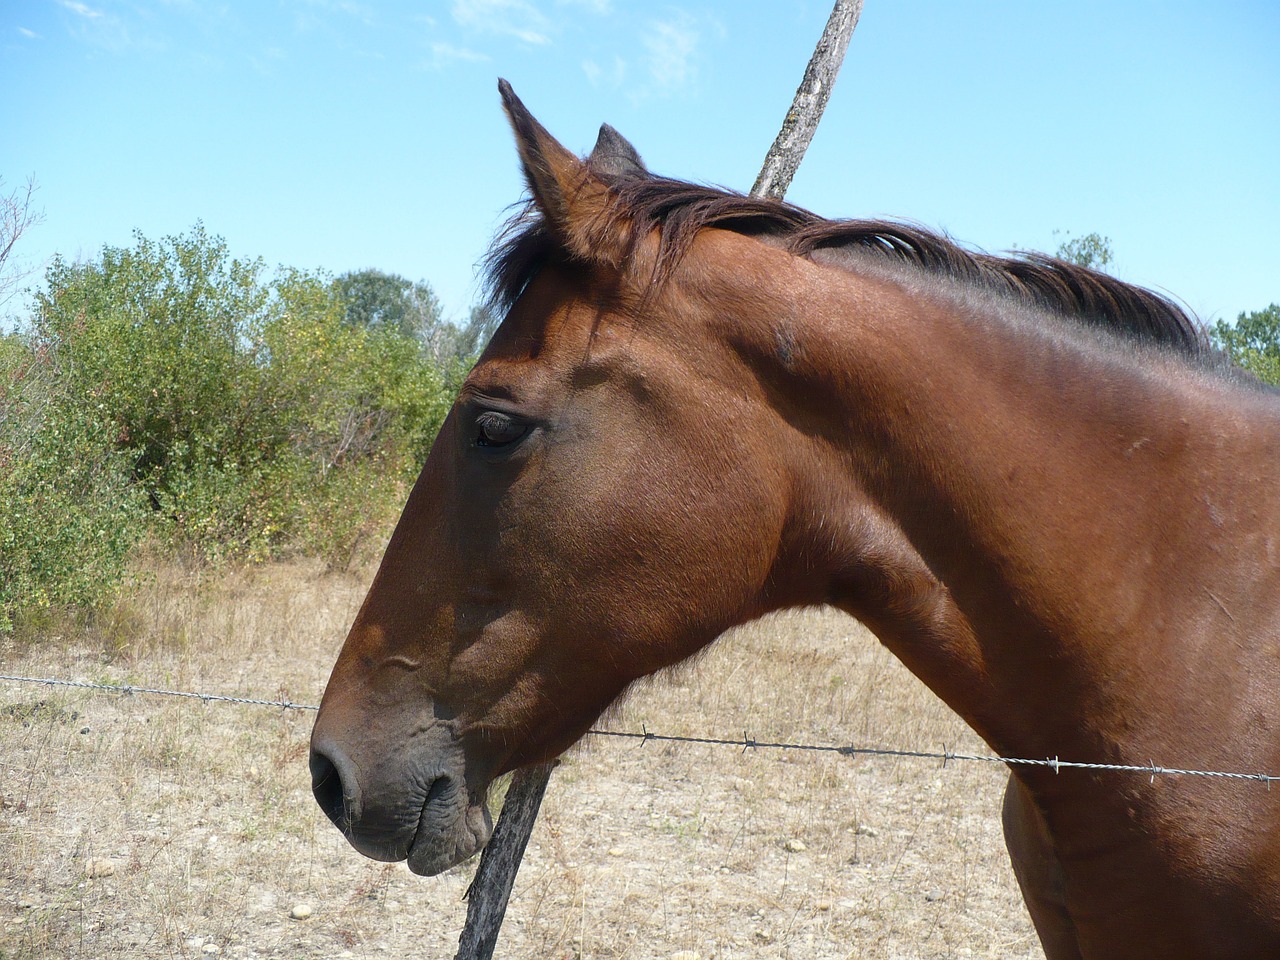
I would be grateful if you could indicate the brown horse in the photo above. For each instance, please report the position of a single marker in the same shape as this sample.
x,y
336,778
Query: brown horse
x,y
1036,484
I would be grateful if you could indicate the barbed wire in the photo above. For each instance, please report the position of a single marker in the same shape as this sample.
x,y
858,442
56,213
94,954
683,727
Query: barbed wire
x,y
746,742
128,688
1053,763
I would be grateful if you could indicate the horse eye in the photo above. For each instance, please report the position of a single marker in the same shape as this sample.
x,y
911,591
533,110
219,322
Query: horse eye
x,y
496,429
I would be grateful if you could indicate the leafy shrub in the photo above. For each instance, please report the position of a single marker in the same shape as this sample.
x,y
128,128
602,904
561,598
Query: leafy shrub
x,y
68,517
1253,342
245,412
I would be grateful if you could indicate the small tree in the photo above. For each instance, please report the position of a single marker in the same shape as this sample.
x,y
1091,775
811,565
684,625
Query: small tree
x,y
16,217
1253,342
1091,250
149,340
387,301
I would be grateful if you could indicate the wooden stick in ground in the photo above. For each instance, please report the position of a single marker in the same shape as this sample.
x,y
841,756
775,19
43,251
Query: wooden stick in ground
x,y
788,149
491,887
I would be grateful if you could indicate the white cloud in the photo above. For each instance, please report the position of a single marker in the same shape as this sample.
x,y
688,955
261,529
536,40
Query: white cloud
x,y
672,46
81,9
592,6
101,29
513,18
29,34
444,54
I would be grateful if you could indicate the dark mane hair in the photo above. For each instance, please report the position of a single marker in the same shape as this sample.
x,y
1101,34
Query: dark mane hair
x,y
679,210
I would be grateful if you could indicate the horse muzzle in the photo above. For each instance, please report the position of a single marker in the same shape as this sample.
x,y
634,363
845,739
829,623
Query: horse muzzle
x,y
412,803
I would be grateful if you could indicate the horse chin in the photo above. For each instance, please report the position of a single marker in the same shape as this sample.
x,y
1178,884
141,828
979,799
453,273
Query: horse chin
x,y
447,835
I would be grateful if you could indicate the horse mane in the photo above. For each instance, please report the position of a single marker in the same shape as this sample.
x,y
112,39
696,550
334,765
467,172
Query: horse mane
x,y
679,210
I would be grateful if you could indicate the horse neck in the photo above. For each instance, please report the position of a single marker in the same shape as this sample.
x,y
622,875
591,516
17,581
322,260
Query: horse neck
x,y
1007,504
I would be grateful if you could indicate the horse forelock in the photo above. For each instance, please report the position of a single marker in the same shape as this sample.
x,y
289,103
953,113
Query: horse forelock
x,y
678,210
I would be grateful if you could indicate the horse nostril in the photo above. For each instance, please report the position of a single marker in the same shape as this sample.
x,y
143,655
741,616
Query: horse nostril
x,y
329,789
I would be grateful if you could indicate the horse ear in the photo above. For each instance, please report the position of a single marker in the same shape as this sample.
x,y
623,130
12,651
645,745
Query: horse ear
x,y
573,199
615,157
552,172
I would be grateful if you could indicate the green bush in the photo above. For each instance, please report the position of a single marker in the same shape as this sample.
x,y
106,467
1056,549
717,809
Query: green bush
x,y
1253,342
184,396
148,346
68,516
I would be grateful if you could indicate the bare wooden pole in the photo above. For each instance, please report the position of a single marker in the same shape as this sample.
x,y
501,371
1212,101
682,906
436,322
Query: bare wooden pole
x,y
783,158
491,887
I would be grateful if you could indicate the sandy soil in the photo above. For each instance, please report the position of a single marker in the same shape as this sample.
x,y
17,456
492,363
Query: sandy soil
x,y
154,827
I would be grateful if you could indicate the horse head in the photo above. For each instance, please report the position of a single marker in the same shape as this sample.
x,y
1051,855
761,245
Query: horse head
x,y
607,495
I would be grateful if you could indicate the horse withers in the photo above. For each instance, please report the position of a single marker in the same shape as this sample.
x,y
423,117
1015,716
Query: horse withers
x,y
1037,485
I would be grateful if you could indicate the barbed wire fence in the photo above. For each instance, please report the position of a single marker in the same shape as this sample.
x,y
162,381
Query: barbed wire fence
x,y
745,742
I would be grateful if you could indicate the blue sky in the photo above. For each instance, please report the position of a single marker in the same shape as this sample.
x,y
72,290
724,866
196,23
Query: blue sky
x,y
342,134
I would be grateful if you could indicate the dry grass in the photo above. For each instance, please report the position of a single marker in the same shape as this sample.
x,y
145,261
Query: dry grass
x,y
204,813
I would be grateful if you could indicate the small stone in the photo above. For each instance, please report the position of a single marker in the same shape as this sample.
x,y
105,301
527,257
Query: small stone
x,y
795,846
865,831
616,851
196,943
823,905
301,911
764,935
934,895
99,868
210,949
686,955
84,729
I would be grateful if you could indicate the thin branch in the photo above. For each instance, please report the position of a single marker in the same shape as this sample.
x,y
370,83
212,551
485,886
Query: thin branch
x,y
784,157
16,216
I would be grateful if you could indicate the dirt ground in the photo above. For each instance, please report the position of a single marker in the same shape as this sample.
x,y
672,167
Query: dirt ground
x,y
155,827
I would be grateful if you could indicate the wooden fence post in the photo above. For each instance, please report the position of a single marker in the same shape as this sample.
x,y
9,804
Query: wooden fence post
x,y
491,887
